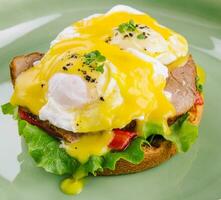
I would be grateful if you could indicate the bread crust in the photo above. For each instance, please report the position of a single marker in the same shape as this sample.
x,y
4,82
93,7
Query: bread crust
x,y
153,155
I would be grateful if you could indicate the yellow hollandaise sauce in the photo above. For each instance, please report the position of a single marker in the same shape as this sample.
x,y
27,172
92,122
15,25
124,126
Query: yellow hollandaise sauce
x,y
90,144
102,26
201,74
178,63
140,94
72,186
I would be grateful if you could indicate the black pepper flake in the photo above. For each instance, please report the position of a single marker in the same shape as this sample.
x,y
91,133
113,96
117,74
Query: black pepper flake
x,y
69,64
65,68
142,27
79,70
108,40
42,85
145,49
136,25
93,80
84,72
75,148
145,36
88,78
102,98
77,124
131,34
126,36
74,56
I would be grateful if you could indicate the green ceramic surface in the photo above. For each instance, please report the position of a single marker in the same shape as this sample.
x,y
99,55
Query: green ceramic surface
x,y
29,25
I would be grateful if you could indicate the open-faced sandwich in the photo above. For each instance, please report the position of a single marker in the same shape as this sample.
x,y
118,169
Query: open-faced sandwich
x,y
116,93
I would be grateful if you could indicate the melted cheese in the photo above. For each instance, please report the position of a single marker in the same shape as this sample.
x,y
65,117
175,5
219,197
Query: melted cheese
x,y
87,145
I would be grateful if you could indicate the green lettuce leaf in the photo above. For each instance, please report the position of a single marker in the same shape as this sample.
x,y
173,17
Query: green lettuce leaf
x,y
9,109
133,153
46,151
48,154
151,128
92,166
183,133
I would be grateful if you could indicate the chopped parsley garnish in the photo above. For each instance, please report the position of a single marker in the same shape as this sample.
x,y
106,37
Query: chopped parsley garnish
x,y
100,68
94,56
141,36
95,59
127,27
199,86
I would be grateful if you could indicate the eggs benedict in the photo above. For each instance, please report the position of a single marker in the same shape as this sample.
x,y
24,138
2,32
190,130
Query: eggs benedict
x,y
116,93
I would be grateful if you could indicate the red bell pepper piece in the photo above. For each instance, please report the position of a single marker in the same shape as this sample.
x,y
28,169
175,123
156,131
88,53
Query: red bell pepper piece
x,y
121,139
27,117
199,99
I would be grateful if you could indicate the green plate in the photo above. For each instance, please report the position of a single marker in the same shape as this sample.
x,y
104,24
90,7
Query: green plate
x,y
27,26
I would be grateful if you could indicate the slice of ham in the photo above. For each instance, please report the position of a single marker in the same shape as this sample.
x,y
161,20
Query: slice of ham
x,y
181,84
48,127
